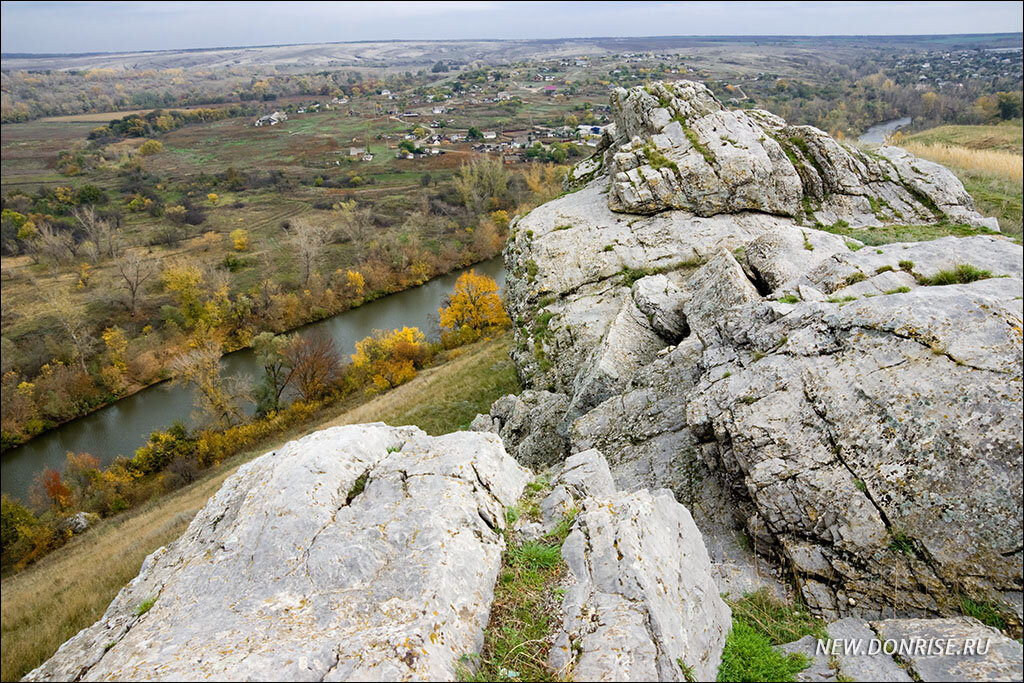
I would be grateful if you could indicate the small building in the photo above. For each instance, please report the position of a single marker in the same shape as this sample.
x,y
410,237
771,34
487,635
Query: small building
x,y
490,135
367,157
356,151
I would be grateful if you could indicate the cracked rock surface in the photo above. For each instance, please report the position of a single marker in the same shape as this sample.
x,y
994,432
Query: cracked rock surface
x,y
808,398
640,594
291,572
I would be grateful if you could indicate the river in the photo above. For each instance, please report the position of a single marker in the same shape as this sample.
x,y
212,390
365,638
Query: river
x,y
876,134
121,427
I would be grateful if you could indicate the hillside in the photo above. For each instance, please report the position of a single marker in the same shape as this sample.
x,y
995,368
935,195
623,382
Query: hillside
x,y
52,600
752,420
988,159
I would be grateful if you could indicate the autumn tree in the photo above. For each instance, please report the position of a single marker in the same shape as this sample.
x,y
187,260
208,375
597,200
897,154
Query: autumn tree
x,y
389,359
483,185
273,354
473,309
316,364
217,397
150,147
240,239
135,272
116,370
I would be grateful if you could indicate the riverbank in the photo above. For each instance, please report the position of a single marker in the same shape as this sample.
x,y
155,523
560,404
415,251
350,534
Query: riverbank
x,y
9,443
48,602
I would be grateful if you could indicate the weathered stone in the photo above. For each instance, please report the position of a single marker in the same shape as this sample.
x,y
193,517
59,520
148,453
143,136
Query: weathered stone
x,y
927,657
290,572
819,668
79,522
863,664
641,597
528,425
823,405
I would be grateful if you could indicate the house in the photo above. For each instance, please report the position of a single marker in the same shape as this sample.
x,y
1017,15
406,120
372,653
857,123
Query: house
x,y
356,151
367,157
490,135
385,93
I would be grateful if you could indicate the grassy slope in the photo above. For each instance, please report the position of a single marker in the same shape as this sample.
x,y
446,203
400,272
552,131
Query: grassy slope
x,y
68,590
987,159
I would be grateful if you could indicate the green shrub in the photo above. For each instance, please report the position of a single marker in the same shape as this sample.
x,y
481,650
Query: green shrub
x,y
749,656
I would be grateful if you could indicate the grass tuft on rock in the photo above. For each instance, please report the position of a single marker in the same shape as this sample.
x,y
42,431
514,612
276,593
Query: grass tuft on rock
x,y
960,275
526,595
759,623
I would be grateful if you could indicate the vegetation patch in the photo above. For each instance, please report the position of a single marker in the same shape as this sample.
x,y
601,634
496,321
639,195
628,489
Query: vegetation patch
x,y
789,299
876,235
759,623
983,611
524,611
961,274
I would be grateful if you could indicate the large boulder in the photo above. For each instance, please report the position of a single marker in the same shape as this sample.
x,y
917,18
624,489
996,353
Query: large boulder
x,y
356,553
818,402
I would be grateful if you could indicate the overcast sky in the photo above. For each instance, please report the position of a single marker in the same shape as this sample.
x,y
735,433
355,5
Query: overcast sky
x,y
66,27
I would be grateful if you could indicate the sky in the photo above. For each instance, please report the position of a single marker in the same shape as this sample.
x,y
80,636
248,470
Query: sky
x,y
70,27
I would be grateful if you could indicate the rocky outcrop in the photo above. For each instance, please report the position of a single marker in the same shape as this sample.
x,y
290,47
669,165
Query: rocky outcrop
x,y
823,403
356,553
528,425
674,146
640,601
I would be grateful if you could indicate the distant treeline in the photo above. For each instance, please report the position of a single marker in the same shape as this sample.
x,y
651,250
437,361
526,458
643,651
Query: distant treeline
x,y
161,121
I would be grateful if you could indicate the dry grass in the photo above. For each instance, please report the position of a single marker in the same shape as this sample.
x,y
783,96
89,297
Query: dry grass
x,y
996,162
45,605
68,590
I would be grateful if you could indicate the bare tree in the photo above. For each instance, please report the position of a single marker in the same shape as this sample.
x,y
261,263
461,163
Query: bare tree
x,y
134,271
310,240
315,363
98,230
53,243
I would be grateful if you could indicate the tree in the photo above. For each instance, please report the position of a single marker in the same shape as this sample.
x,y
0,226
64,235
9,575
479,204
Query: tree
x,y
240,239
390,359
150,147
483,184
98,231
272,352
310,239
474,308
474,133
134,272
74,321
185,281
316,364
216,397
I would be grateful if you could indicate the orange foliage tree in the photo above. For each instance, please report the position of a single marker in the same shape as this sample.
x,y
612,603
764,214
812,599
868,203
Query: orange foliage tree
x,y
472,310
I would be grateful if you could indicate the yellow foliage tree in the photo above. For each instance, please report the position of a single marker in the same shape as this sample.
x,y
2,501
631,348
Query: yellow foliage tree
x,y
240,239
390,359
150,147
473,309
117,345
